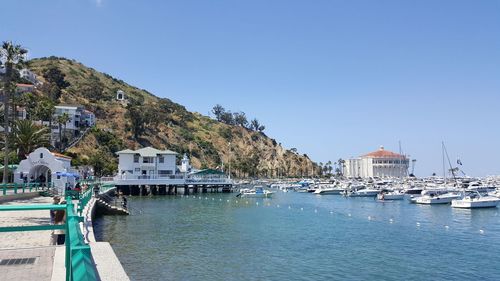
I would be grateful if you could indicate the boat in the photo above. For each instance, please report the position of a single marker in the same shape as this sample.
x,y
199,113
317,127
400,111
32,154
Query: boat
x,y
329,191
392,195
257,192
432,198
474,200
366,192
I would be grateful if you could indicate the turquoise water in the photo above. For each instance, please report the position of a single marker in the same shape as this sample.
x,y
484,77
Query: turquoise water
x,y
300,236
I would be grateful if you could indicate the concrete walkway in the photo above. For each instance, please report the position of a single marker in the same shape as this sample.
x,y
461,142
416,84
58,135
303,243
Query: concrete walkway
x,y
27,264
30,247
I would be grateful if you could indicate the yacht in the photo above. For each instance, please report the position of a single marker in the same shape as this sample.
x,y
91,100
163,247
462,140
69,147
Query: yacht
x,y
391,195
475,200
433,198
257,192
366,192
329,190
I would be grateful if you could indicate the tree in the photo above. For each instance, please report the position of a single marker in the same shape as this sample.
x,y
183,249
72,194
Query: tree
x,y
218,110
12,57
254,124
27,136
262,128
53,75
227,118
137,119
45,111
62,120
240,119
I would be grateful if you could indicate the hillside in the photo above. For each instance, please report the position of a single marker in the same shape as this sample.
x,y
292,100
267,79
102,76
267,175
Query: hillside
x,y
147,120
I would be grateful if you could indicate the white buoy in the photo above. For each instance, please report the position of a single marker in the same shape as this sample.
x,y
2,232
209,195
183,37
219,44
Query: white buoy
x,y
391,220
349,214
220,199
447,227
227,201
257,203
481,231
331,212
315,211
302,209
278,206
369,218
418,224
236,201
289,207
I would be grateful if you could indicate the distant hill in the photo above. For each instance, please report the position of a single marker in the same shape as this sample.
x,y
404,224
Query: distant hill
x,y
147,120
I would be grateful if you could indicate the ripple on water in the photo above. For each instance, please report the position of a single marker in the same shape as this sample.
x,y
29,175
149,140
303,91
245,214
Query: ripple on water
x,y
190,239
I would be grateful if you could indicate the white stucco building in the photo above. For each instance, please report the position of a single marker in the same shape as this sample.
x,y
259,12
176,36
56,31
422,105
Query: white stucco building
x,y
381,163
28,75
146,163
45,166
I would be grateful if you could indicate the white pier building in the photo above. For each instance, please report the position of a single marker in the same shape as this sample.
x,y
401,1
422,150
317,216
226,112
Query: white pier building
x,y
157,169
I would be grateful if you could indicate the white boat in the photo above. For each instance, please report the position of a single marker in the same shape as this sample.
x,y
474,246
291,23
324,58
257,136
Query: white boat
x,y
475,200
366,192
393,195
431,199
257,192
329,191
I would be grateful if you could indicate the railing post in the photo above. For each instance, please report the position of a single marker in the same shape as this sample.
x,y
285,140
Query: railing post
x,y
4,187
67,242
24,187
15,188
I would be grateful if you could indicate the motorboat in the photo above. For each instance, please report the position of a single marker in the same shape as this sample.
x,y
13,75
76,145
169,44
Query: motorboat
x,y
392,195
475,200
432,198
366,192
257,192
329,191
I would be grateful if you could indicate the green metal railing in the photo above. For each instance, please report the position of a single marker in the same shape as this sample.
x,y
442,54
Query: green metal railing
x,y
79,262
24,187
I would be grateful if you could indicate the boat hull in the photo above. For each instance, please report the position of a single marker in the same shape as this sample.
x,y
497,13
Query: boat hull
x,y
472,204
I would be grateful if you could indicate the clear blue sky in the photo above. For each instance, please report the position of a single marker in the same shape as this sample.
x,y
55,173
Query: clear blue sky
x,y
331,78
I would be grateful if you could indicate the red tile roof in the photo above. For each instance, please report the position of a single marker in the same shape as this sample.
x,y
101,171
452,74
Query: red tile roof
x,y
24,85
381,153
60,155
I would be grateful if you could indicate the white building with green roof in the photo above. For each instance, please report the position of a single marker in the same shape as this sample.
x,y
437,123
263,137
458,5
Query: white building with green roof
x,y
146,163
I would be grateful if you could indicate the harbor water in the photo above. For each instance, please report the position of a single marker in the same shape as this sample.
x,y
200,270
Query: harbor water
x,y
301,236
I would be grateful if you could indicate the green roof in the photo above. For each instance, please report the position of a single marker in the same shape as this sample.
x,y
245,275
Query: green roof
x,y
208,172
11,167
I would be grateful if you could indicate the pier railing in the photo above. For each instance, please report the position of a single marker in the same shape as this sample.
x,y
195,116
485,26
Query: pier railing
x,y
19,188
78,261
78,258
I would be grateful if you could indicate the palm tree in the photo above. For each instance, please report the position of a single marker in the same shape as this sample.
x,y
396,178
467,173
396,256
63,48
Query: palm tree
x,y
12,57
27,136
62,120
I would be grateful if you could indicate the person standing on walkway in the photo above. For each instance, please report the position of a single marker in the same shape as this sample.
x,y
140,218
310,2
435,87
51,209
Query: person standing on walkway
x,y
60,219
56,201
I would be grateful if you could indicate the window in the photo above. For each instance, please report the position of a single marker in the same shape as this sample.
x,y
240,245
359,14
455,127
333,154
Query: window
x,y
161,159
137,169
41,155
147,160
136,158
164,172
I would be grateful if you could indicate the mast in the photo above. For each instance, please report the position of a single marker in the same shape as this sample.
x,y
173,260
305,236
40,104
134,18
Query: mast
x,y
444,169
